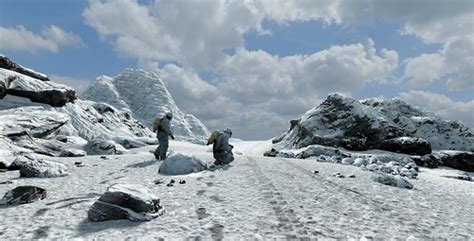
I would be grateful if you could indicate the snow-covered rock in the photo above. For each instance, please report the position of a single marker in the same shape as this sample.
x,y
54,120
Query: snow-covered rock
x,y
101,147
43,169
181,164
72,153
361,125
390,180
36,90
145,96
6,63
125,201
23,195
18,162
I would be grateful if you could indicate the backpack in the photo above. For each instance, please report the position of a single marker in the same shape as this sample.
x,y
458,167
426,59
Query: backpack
x,y
156,124
213,137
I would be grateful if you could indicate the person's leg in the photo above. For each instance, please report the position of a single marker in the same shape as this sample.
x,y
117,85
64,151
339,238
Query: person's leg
x,y
164,148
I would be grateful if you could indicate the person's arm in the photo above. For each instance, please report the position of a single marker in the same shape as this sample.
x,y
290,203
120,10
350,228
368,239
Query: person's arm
x,y
167,128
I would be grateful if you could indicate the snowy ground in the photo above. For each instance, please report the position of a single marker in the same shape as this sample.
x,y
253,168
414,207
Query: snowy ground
x,y
254,197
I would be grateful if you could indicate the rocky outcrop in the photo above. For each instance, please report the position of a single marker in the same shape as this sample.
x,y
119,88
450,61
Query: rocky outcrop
x,y
23,195
6,63
36,90
43,169
407,145
145,97
363,125
121,201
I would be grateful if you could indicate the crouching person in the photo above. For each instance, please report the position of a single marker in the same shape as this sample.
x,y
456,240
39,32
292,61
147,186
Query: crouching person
x,y
221,148
163,129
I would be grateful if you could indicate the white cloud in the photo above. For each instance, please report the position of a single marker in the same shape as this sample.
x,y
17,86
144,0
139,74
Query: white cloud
x,y
51,38
455,60
194,33
442,105
77,84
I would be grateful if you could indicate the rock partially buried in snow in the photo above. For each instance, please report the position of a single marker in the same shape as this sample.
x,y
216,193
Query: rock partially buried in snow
x,y
180,164
125,201
19,162
407,145
72,153
43,169
392,180
22,195
100,147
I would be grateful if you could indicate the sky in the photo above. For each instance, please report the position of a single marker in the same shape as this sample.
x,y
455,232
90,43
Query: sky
x,y
253,65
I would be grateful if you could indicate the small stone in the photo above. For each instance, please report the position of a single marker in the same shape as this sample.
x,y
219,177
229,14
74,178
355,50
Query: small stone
x,y
169,184
352,176
103,157
182,182
159,181
22,195
316,172
6,182
172,181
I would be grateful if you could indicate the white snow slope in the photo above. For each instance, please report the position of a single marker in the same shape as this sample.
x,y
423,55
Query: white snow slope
x,y
253,198
144,95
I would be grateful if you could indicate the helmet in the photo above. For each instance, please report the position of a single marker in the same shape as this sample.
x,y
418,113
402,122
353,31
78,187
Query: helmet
x,y
228,131
169,115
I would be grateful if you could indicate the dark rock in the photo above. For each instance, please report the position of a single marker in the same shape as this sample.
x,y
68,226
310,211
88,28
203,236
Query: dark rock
x,y
3,88
182,182
429,161
271,153
461,160
55,98
43,169
407,145
131,202
22,195
316,172
6,63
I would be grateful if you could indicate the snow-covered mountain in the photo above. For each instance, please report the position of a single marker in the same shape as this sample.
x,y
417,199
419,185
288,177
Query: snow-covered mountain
x,y
366,124
144,95
38,115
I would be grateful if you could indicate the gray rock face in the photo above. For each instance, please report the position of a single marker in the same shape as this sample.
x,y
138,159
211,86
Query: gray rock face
x,y
180,164
407,145
43,169
462,160
23,195
100,147
133,202
392,181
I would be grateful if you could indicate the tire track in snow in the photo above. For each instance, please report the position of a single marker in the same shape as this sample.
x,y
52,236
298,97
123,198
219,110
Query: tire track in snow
x,y
289,223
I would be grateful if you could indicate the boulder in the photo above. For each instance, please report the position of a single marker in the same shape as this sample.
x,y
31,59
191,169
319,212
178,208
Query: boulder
x,y
122,201
19,162
23,195
390,180
129,143
461,160
429,161
43,169
407,145
181,164
100,147
72,153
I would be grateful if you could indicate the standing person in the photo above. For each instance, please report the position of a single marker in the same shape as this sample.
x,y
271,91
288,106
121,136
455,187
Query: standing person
x,y
163,131
221,148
